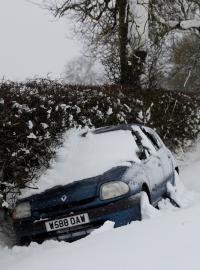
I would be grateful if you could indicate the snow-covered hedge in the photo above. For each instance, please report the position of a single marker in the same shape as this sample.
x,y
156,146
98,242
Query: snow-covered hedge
x,y
34,115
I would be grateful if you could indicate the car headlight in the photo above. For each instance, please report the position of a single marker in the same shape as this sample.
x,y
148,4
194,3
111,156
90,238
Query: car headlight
x,y
22,210
113,189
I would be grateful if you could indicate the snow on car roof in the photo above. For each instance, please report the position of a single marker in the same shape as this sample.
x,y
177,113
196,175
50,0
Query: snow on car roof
x,y
87,156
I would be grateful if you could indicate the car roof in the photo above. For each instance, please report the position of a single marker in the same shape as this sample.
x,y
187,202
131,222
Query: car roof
x,y
112,128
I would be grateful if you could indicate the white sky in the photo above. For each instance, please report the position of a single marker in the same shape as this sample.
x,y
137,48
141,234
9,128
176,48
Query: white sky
x,y
32,43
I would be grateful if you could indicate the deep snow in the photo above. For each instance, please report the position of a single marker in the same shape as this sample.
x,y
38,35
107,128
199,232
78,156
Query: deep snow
x,y
166,239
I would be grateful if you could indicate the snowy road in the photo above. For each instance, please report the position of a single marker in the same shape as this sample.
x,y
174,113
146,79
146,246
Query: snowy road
x,y
170,239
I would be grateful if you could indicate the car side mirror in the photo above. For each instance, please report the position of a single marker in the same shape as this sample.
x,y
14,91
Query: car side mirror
x,y
142,154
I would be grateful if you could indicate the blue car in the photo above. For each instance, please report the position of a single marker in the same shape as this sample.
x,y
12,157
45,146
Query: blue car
x,y
131,159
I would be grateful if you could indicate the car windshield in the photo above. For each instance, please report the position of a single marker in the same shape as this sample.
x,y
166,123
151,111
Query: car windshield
x,y
87,156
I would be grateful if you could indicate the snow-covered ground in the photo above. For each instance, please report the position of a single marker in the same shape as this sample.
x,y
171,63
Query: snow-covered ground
x,y
166,239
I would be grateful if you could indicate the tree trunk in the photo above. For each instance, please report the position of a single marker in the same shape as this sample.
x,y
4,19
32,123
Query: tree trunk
x,y
123,41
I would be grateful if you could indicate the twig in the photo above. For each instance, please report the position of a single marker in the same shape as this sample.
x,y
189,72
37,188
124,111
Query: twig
x,y
189,74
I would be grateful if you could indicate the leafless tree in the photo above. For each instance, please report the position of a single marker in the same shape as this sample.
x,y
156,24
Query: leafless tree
x,y
185,61
119,31
84,71
105,22
175,15
169,22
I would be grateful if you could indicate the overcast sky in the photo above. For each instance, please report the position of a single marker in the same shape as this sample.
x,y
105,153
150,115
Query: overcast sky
x,y
32,43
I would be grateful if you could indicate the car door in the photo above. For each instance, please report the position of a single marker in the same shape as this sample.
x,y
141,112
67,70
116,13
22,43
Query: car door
x,y
151,164
153,169
165,155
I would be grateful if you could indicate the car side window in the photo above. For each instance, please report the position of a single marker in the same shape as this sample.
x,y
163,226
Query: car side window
x,y
152,139
143,152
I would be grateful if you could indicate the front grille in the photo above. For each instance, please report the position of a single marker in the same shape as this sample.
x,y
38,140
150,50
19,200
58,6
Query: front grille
x,y
65,208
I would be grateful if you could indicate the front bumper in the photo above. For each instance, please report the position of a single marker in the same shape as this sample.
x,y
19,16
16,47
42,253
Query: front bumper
x,y
120,212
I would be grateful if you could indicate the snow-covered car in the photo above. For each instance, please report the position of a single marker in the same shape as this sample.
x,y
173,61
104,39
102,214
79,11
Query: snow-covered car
x,y
98,175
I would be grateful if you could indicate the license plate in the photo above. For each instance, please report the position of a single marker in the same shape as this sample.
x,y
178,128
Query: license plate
x,y
67,222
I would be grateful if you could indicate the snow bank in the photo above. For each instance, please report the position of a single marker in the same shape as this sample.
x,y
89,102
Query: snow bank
x,y
87,156
107,226
147,210
170,240
190,168
179,194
